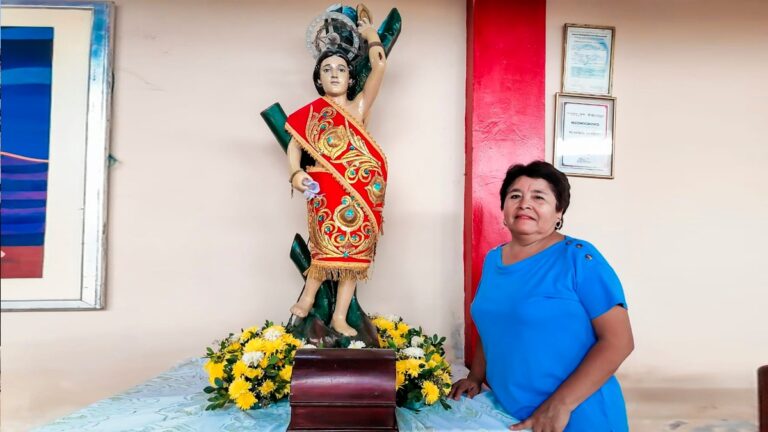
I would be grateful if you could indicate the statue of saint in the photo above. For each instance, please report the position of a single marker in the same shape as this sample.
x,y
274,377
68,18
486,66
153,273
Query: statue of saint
x,y
350,170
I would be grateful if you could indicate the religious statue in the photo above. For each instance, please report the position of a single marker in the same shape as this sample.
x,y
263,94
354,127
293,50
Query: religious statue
x,y
334,161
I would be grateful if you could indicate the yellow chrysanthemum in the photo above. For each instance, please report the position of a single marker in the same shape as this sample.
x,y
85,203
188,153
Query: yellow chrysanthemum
x,y
254,373
400,380
264,362
399,341
435,360
271,347
382,342
410,367
215,370
238,387
285,373
288,339
266,388
255,345
443,376
247,333
280,393
431,392
239,369
245,401
402,328
383,323
234,346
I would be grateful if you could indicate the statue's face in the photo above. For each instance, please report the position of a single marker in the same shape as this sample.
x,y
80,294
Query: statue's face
x,y
334,76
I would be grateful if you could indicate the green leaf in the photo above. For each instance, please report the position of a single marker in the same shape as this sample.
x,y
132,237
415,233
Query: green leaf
x,y
445,404
273,359
392,344
209,389
218,382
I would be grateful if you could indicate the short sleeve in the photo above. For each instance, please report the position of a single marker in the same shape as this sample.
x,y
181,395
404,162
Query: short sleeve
x,y
597,285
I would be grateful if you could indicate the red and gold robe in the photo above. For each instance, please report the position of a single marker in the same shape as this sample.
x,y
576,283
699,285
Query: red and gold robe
x,y
345,218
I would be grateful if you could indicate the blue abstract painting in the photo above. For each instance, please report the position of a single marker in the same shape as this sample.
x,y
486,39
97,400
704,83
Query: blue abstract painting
x,y
26,65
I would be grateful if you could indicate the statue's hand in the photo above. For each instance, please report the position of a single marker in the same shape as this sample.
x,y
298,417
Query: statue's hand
x,y
366,29
298,181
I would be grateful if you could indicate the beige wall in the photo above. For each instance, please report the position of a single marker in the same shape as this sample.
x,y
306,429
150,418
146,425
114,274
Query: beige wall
x,y
201,218
683,222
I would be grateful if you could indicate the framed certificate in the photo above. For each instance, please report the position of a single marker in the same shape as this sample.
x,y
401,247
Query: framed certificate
x,y
56,86
584,135
587,59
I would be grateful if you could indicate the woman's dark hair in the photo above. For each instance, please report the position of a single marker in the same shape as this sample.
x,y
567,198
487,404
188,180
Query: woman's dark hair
x,y
539,170
316,74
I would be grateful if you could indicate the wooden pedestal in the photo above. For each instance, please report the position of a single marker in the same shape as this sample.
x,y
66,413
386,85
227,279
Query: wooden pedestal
x,y
343,390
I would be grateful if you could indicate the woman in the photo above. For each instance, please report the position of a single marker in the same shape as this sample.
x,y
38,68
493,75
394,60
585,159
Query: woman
x,y
551,316
345,218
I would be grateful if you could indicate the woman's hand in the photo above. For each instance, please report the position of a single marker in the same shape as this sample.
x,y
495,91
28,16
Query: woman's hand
x,y
550,416
468,385
366,29
298,181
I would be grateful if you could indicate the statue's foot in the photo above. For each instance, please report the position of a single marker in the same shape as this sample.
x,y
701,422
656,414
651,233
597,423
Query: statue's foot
x,y
302,307
341,326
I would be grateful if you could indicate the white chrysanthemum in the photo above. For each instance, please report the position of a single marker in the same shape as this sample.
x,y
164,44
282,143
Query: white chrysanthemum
x,y
235,338
307,346
271,334
391,317
357,344
416,341
253,358
414,352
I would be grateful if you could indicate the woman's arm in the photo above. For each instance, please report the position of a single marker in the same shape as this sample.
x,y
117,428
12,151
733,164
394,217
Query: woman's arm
x,y
378,60
472,384
614,343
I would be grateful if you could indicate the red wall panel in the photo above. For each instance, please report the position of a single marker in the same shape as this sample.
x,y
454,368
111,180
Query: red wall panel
x,y
504,121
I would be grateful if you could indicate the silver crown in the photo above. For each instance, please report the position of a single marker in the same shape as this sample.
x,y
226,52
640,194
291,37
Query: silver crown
x,y
333,30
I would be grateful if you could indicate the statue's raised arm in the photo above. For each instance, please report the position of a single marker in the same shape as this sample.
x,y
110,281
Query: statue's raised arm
x,y
378,60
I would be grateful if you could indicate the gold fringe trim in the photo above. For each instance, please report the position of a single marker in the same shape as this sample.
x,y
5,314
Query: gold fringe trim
x,y
336,273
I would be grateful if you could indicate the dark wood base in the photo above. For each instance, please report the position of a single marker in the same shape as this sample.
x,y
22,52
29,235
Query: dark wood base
x,y
343,390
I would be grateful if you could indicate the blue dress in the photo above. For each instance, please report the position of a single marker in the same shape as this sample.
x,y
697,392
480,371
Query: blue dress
x,y
534,320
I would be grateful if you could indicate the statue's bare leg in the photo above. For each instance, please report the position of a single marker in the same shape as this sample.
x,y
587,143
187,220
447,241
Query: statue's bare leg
x,y
343,297
307,299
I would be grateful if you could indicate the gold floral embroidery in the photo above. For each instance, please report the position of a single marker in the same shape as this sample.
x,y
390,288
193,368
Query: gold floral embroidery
x,y
333,236
376,190
325,137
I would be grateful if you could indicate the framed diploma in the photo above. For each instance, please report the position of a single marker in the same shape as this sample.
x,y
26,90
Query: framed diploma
x,y
587,59
584,135
56,86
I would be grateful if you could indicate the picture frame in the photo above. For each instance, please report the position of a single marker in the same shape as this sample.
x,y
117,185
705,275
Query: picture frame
x,y
584,136
56,85
588,52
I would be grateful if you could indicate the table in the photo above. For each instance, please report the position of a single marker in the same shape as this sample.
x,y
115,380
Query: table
x,y
174,401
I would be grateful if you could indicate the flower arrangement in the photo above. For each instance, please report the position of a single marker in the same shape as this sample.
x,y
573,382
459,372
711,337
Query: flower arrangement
x,y
253,369
423,375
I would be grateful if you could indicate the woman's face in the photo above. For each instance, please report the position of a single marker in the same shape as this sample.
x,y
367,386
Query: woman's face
x,y
334,76
530,207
